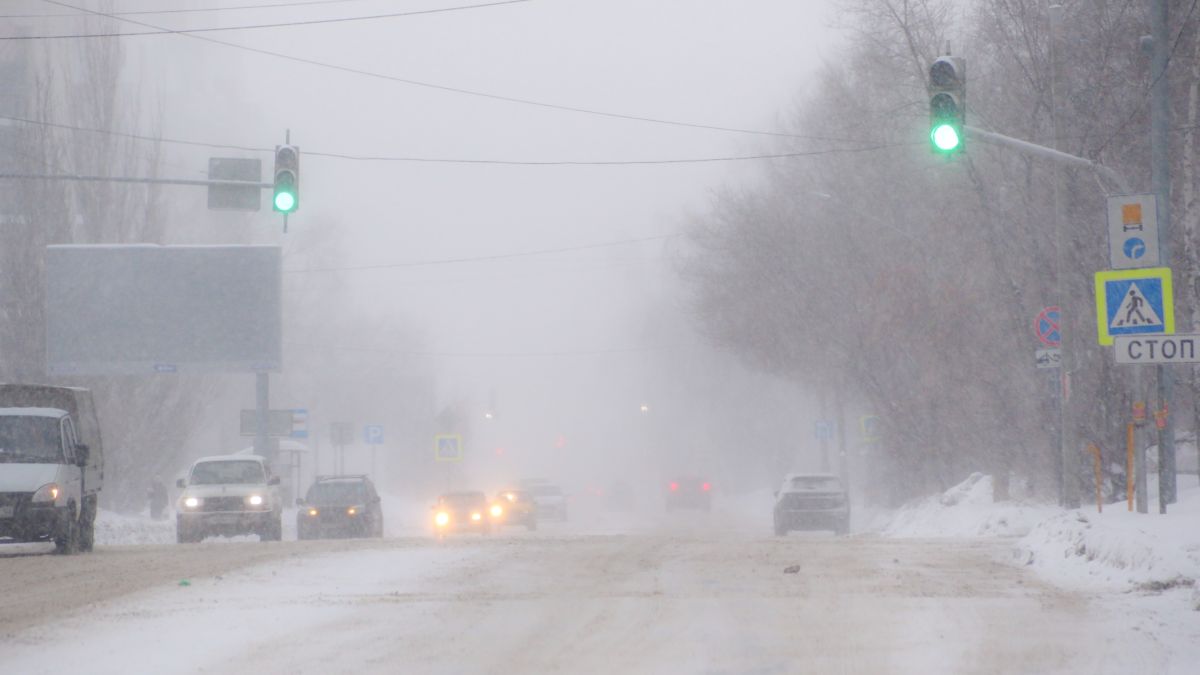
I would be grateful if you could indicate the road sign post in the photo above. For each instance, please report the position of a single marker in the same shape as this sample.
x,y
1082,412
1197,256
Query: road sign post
x,y
341,434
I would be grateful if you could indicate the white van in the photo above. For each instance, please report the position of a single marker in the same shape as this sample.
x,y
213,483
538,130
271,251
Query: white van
x,y
51,466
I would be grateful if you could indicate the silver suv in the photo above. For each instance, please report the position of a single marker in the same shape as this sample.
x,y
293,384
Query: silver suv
x,y
229,495
815,501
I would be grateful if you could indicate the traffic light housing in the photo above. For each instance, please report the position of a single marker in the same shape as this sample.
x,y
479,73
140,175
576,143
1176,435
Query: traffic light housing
x,y
286,196
948,104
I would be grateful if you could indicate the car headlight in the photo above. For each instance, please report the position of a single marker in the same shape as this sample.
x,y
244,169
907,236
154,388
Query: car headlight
x,y
476,516
442,518
47,493
313,512
353,510
255,500
191,502
497,511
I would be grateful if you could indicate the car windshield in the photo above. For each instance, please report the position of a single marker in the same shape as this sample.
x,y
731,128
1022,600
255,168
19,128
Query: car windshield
x,y
30,439
815,484
227,472
337,493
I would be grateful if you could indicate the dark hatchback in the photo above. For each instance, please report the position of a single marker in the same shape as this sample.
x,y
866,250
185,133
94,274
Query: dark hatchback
x,y
689,493
340,506
812,502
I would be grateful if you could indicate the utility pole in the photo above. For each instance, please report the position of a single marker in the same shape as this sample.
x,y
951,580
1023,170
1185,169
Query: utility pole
x,y
1160,151
1067,493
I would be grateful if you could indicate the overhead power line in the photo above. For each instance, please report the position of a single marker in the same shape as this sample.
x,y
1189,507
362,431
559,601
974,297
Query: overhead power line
x,y
449,160
419,354
614,162
483,258
446,88
186,10
283,24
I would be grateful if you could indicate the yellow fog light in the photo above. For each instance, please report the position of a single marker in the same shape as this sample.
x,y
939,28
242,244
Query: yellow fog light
x,y
351,511
313,512
497,511
442,518
476,516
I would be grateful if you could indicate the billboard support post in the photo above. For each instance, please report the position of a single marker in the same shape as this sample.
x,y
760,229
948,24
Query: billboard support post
x,y
262,410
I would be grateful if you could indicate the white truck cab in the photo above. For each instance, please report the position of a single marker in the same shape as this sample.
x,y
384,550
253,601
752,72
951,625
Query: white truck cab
x,y
51,466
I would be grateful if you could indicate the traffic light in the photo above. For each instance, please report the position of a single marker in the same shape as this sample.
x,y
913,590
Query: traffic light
x,y
947,104
287,179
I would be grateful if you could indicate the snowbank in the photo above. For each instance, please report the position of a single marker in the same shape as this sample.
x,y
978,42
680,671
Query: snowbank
x,y
115,529
1118,549
965,510
1080,548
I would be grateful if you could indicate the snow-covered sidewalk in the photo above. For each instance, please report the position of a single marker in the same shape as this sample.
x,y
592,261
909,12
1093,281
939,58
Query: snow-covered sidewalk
x,y
1140,569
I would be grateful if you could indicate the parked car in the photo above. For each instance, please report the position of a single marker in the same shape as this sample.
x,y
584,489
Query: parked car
x,y
461,512
229,495
689,492
340,506
51,466
812,502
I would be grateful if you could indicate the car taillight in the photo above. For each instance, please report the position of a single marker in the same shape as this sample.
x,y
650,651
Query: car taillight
x,y
674,487
706,487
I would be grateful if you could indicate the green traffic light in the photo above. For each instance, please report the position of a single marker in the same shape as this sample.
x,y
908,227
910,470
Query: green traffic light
x,y
285,201
945,137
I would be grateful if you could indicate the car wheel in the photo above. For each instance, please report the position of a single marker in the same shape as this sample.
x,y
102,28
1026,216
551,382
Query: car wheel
x,y
66,540
275,530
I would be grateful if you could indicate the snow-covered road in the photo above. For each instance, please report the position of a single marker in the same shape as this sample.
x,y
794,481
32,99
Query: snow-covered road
x,y
680,601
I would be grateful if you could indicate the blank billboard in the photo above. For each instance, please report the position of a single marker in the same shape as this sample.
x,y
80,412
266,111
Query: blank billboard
x,y
141,309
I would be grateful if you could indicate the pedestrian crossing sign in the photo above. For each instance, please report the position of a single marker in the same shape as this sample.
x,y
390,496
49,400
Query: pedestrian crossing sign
x,y
447,448
1134,302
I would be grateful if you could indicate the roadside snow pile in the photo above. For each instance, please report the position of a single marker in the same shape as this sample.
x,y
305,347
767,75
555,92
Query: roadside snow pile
x,y
115,529
1119,549
965,510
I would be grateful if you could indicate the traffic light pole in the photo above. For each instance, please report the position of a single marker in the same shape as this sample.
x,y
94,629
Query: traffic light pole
x,y
993,138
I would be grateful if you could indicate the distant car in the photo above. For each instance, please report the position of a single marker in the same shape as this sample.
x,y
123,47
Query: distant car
x,y
229,495
514,507
619,497
689,493
812,502
462,512
550,500
340,506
